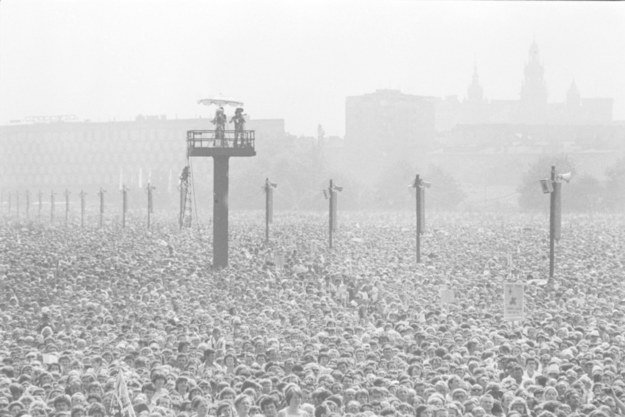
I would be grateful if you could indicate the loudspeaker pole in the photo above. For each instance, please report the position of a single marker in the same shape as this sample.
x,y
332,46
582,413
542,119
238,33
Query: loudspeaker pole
x,y
82,208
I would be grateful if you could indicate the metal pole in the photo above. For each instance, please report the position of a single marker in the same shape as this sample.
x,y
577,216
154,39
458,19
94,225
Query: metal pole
x,y
418,212
220,211
82,208
52,207
150,203
267,209
101,194
149,192
552,224
124,205
182,204
66,206
331,217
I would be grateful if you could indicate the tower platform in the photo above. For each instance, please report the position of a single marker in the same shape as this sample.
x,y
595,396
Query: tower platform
x,y
230,143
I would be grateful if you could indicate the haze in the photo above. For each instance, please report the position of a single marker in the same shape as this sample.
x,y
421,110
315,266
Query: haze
x,y
113,60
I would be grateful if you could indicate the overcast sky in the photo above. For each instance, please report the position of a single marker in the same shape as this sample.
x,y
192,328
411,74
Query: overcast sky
x,y
297,60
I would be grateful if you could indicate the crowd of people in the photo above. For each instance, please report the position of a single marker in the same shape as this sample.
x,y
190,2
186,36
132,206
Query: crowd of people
x,y
111,322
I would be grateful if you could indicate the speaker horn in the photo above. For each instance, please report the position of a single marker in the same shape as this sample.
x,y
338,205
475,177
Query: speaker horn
x,y
565,177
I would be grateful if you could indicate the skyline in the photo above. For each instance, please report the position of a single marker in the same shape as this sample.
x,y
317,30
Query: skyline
x,y
115,60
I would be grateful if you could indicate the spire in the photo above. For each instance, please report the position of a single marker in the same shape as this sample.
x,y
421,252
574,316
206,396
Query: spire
x,y
475,92
573,98
534,90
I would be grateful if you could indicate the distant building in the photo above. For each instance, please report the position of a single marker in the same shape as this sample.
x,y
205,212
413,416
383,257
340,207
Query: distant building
x,y
482,141
385,126
57,154
532,107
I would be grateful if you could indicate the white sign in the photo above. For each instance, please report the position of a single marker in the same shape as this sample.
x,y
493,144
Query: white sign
x,y
447,296
513,301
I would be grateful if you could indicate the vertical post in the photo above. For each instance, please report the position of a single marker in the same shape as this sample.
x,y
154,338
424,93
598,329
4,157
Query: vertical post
x,y
66,206
82,208
552,224
40,197
220,211
150,203
27,204
335,199
417,183
52,207
124,205
183,197
331,217
101,195
267,191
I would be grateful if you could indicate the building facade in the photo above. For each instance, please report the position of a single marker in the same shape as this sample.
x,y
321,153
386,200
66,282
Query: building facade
x,y
58,155
386,126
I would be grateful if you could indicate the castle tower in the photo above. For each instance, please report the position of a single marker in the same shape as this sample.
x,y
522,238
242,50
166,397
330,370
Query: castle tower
x,y
475,92
573,98
533,104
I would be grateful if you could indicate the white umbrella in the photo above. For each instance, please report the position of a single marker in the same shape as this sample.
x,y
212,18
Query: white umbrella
x,y
220,102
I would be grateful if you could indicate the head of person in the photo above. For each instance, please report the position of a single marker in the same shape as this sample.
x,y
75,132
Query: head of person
x,y
268,406
293,395
242,404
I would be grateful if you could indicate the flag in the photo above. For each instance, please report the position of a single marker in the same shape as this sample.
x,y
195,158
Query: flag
x,y
121,396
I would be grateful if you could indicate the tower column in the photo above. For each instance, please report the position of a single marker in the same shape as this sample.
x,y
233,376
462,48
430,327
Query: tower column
x,y
220,211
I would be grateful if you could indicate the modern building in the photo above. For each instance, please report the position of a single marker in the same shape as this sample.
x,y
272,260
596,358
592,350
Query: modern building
x,y
53,154
386,126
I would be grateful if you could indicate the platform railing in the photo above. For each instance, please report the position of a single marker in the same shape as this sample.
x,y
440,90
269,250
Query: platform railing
x,y
221,139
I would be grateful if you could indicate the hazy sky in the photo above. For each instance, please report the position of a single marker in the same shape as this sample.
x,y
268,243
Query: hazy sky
x,y
297,60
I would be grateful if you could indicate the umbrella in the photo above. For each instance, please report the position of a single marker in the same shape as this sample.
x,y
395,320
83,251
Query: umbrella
x,y
220,102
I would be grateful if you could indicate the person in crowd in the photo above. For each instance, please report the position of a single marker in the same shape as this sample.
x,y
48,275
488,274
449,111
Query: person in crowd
x,y
121,322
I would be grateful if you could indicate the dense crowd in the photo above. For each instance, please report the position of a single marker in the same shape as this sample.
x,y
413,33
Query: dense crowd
x,y
133,322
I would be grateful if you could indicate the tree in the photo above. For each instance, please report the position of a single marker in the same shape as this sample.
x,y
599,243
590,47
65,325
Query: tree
x,y
582,194
530,195
445,193
392,189
614,191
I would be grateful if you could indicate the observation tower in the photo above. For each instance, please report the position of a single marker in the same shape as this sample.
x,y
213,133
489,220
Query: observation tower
x,y
221,144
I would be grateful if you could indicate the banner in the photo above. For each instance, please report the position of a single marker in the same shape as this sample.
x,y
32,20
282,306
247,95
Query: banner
x,y
513,301
122,398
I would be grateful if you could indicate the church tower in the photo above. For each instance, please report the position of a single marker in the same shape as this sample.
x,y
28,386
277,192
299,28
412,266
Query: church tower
x,y
573,104
533,104
474,109
475,92
573,98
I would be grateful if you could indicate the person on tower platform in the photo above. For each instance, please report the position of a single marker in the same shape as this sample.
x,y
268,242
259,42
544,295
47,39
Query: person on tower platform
x,y
239,125
220,125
